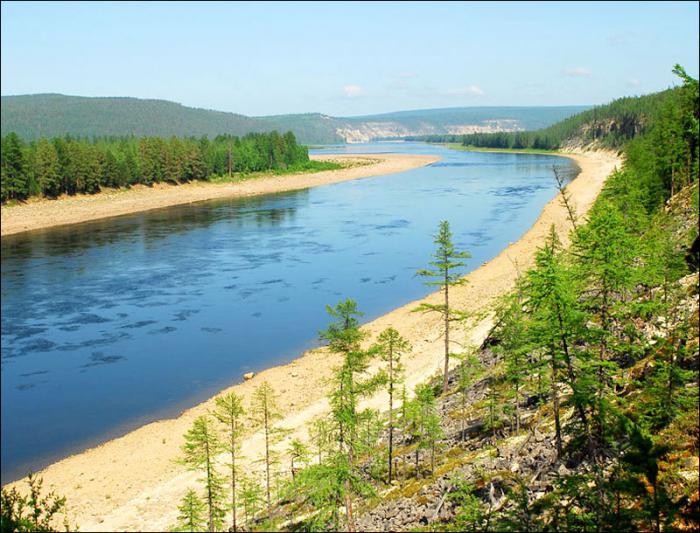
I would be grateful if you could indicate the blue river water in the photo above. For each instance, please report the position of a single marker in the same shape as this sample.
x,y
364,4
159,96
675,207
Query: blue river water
x,y
108,325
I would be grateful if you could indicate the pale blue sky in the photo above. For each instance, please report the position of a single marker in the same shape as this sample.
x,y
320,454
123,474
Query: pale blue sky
x,y
347,58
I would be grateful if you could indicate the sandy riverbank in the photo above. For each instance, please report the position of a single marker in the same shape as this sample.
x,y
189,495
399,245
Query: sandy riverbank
x,y
132,483
42,213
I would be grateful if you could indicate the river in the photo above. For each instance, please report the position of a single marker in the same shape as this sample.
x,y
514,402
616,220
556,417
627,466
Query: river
x,y
108,325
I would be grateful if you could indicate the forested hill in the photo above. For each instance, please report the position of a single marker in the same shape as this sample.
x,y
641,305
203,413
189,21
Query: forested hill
x,y
54,115
607,126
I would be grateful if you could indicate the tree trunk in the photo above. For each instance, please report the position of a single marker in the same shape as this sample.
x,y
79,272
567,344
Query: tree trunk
x,y
348,495
267,465
464,414
517,408
555,401
233,475
391,411
570,371
229,162
447,335
210,498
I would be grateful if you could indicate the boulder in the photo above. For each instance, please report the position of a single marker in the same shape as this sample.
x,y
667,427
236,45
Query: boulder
x,y
248,375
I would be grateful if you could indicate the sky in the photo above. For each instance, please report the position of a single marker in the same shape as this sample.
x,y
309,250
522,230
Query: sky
x,y
346,59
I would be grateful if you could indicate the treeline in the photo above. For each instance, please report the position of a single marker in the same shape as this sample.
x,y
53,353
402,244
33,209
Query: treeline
x,y
51,167
611,126
598,342
34,116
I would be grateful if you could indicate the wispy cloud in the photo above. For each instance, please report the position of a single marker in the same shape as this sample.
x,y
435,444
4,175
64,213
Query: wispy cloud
x,y
633,82
353,91
467,90
406,75
578,72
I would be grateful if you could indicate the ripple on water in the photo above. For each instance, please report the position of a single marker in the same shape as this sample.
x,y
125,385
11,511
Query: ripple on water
x,y
24,332
166,329
107,338
99,358
139,324
185,314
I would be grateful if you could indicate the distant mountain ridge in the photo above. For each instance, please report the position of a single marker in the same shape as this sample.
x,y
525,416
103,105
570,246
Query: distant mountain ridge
x,y
48,115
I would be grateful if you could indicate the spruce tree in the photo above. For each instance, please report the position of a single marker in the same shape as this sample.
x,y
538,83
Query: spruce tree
x,y
344,337
191,517
251,497
424,426
200,450
555,320
229,412
265,410
512,332
605,250
14,169
47,169
297,451
391,347
447,259
321,433
467,372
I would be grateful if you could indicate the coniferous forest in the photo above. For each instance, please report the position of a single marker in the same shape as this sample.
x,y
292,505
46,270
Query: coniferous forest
x,y
611,125
51,167
578,413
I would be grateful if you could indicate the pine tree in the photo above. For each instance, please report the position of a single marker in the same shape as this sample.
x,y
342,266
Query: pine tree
x,y
191,517
605,251
110,170
469,514
467,372
391,347
31,512
344,337
321,433
424,423
555,319
512,332
297,451
370,426
446,261
266,412
47,168
200,450
325,487
92,169
251,497
14,168
229,412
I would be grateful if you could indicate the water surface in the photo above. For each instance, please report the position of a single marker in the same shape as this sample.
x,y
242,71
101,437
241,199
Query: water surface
x,y
111,324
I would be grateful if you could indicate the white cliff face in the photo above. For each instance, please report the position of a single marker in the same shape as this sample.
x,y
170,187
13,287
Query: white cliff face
x,y
366,131
362,132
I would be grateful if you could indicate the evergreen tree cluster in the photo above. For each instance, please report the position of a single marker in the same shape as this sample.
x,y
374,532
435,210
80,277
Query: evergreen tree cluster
x,y
50,167
611,125
600,338
664,120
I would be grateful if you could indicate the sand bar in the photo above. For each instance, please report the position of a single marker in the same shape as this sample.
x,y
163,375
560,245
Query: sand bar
x,y
131,483
40,213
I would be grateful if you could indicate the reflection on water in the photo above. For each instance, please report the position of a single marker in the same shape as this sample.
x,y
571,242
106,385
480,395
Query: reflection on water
x,y
109,324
